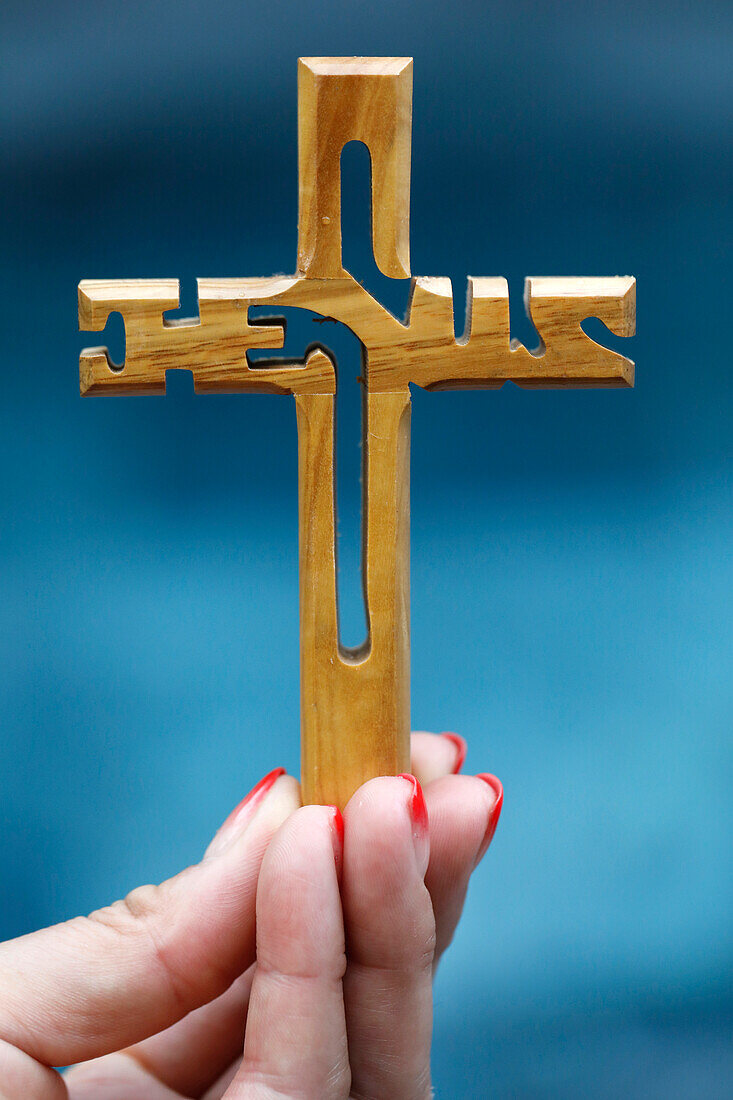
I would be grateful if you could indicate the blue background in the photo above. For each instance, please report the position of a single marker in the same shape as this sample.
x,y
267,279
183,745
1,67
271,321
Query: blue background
x,y
571,562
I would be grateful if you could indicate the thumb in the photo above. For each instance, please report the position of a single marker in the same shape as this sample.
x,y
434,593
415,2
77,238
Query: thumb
x,y
95,984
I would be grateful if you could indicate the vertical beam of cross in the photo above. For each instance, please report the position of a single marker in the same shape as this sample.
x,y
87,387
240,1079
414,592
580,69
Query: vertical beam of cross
x,y
355,705
365,694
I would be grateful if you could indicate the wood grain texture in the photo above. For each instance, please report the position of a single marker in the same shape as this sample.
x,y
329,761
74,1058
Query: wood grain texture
x,y
212,346
355,704
422,350
342,99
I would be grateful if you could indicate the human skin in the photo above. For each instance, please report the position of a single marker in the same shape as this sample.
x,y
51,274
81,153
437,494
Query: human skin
x,y
294,961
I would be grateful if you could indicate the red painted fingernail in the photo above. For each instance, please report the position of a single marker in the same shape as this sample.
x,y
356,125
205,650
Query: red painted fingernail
x,y
495,814
244,810
418,809
419,815
255,794
337,825
461,749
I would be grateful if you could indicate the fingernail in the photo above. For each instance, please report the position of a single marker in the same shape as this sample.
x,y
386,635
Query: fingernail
x,y
495,814
337,828
242,814
461,748
419,816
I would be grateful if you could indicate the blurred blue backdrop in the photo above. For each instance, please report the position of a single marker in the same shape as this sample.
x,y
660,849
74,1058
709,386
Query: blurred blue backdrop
x,y
571,561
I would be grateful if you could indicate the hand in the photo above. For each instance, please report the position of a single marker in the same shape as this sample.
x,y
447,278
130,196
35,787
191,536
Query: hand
x,y
180,990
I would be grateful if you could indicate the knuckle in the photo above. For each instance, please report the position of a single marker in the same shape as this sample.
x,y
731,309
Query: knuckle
x,y
130,915
141,916
420,939
427,956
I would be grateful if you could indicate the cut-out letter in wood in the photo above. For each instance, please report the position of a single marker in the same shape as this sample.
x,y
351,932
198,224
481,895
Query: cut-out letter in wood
x,y
355,704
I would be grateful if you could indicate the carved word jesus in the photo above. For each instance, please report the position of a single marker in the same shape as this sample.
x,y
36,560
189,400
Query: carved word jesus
x,y
355,717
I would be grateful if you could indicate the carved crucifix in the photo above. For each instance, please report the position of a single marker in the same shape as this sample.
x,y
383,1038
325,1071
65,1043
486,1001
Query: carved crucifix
x,y
355,704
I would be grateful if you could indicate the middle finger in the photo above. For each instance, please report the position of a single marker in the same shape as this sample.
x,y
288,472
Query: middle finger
x,y
390,938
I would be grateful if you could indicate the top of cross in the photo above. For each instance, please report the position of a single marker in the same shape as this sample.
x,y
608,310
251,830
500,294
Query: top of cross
x,y
342,99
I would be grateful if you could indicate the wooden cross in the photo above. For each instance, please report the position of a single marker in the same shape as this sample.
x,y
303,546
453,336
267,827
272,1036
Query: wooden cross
x,y
355,704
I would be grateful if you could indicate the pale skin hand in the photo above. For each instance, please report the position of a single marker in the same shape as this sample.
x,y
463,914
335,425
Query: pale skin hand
x,y
284,965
